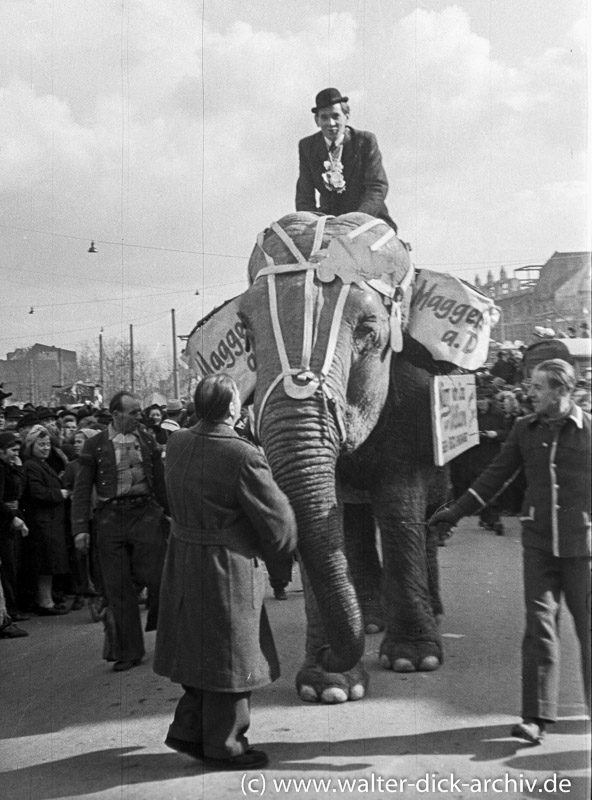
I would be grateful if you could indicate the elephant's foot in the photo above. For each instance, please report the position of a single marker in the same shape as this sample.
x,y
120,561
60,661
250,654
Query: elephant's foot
x,y
410,656
372,615
314,685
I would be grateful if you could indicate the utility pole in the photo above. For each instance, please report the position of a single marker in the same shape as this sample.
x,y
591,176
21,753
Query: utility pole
x,y
132,381
175,366
101,359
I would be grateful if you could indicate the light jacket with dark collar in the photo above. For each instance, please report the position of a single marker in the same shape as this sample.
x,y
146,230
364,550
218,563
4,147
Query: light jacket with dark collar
x,y
366,184
555,457
98,468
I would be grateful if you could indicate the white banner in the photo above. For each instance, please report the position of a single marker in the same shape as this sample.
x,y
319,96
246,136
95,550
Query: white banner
x,y
218,344
451,319
454,416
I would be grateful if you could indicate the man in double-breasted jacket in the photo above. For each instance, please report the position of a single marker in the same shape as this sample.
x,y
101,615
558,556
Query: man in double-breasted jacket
x,y
340,167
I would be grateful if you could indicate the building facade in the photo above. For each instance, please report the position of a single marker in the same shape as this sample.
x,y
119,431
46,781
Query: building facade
x,y
31,373
554,295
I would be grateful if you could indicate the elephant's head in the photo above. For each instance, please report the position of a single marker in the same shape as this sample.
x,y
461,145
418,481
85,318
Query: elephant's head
x,y
323,338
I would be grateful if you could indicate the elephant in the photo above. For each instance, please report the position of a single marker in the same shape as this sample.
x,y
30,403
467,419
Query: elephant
x,y
340,405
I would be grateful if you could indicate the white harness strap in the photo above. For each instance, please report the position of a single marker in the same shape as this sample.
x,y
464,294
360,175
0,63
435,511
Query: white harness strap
x,y
300,382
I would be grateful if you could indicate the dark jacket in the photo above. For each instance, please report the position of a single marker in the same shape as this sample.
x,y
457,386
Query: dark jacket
x,y
556,462
44,512
366,185
98,468
227,516
11,487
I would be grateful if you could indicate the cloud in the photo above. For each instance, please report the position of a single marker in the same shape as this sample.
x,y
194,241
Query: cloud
x,y
144,123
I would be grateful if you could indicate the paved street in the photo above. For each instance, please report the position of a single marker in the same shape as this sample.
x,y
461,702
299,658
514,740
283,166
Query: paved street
x,y
71,728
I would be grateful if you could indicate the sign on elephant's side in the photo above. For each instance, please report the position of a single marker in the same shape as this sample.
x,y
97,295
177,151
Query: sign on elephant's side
x,y
454,416
218,344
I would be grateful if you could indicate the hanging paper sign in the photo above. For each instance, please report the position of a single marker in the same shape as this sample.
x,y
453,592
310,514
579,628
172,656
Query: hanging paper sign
x,y
454,416
450,319
218,344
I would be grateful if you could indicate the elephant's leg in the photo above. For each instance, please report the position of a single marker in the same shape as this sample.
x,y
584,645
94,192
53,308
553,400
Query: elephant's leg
x,y
412,641
359,528
313,683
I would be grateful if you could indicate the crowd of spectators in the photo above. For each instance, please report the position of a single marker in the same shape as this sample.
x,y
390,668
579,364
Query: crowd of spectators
x,y
41,572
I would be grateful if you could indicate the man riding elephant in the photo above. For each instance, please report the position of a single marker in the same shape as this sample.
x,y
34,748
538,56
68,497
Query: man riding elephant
x,y
341,164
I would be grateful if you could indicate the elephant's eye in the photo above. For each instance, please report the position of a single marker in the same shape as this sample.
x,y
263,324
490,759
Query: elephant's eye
x,y
366,335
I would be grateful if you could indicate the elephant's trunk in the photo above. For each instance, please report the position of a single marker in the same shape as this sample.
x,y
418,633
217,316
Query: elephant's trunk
x,y
302,450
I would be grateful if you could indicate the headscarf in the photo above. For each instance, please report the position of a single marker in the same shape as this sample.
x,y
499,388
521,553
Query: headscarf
x,y
32,435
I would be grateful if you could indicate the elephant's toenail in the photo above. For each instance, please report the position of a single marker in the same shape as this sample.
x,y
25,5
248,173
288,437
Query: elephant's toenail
x,y
356,692
403,665
334,695
385,662
429,663
308,694
372,627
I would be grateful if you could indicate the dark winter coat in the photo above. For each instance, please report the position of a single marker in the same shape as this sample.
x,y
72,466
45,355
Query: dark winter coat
x,y
11,487
556,461
44,512
366,184
227,516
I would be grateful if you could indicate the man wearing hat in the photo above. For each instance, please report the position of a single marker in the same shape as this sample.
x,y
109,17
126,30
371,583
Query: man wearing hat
x,y
176,411
343,165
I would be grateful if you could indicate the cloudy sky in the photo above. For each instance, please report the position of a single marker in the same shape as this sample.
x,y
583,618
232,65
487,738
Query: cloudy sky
x,y
166,131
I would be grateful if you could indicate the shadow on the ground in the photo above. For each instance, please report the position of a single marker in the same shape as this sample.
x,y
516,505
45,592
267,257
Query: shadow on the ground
x,y
102,770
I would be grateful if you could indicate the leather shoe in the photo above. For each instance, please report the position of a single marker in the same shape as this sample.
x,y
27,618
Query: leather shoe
x,y
193,749
123,666
530,730
12,631
250,759
280,594
51,611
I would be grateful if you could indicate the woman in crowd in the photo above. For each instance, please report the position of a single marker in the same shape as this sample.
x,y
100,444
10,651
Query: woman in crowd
x,y
154,419
213,634
43,502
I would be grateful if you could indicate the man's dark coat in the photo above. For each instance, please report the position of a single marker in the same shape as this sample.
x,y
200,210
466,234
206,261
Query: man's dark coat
x,y
228,515
366,185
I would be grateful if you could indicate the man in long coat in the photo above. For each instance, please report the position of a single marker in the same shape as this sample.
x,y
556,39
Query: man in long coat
x,y
341,164
227,517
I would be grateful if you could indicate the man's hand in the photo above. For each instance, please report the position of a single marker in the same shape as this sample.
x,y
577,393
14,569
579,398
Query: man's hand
x,y
82,542
442,522
19,525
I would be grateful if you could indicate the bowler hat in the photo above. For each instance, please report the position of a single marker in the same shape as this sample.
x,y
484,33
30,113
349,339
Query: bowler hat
x,y
328,97
13,412
45,413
